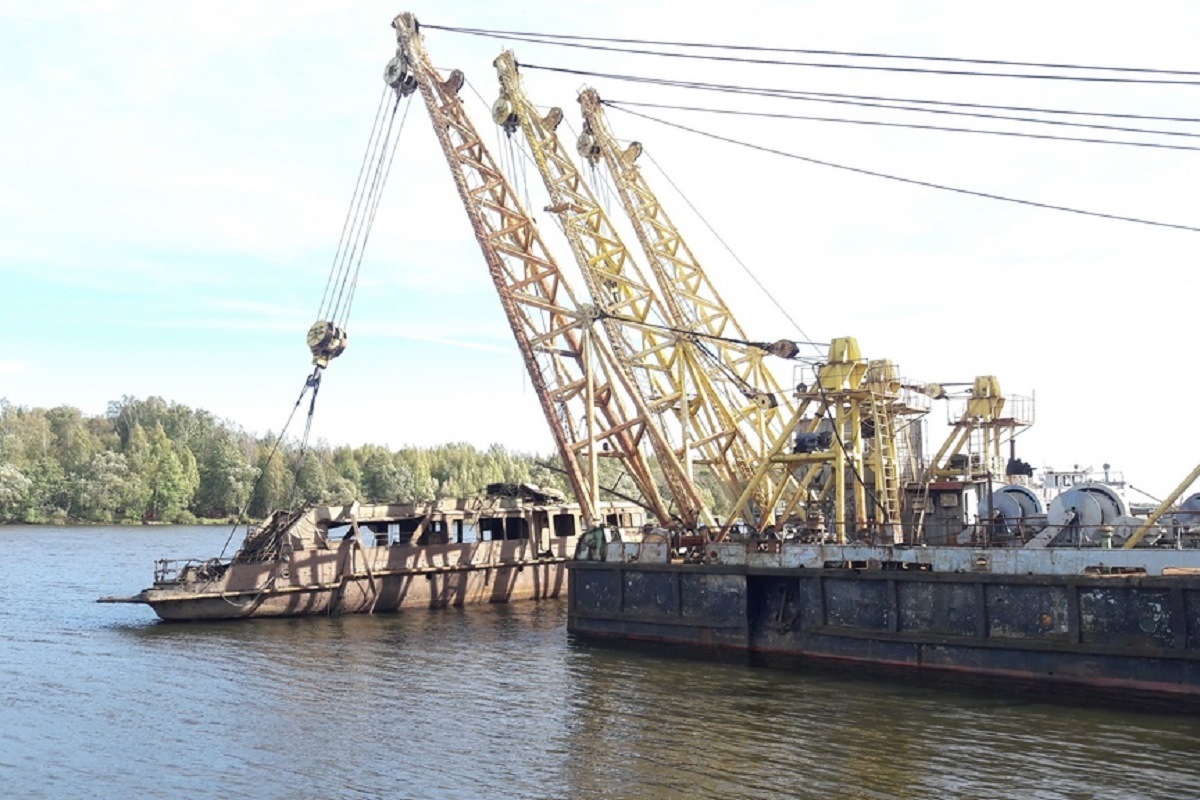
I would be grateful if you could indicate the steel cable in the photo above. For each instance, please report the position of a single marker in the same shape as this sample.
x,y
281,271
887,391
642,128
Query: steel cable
x,y
912,181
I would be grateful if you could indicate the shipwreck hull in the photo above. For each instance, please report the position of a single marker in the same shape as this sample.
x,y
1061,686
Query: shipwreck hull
x,y
356,580
1130,634
511,543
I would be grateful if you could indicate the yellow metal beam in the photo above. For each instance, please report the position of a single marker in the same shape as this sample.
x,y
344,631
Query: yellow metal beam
x,y
1163,508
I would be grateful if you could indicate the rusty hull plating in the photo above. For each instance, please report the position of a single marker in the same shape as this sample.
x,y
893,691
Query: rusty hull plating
x,y
351,559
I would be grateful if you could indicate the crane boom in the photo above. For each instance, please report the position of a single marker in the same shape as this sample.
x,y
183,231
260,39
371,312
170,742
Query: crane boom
x,y
839,446
699,408
686,287
571,368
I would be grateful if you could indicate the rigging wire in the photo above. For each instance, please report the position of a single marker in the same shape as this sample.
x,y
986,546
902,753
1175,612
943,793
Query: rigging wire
x,y
744,387
880,123
337,268
765,49
911,181
764,346
879,101
313,382
363,217
374,209
335,302
604,186
729,249
1007,118
308,384
533,38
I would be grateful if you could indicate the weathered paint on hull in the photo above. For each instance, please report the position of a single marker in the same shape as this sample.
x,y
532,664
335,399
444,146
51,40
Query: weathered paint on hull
x,y
353,580
1114,634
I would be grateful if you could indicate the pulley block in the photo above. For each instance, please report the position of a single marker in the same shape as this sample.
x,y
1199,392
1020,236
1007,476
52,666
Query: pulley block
x,y
765,401
399,76
588,147
326,341
504,113
784,348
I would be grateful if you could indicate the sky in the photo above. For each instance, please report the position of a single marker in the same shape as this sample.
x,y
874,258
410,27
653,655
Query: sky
x,y
174,178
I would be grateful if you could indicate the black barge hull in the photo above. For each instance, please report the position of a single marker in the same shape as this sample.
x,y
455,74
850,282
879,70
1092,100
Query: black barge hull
x,y
1131,635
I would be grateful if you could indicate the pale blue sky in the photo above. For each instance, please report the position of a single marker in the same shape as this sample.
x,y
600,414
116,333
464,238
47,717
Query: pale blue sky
x,y
174,177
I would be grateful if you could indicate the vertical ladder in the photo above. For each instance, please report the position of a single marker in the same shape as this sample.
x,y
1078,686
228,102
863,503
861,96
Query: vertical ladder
x,y
887,478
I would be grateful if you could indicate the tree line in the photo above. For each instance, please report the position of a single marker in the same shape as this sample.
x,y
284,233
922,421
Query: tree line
x,y
153,460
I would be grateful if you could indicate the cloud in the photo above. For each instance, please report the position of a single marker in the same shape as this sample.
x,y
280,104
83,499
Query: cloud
x,y
13,367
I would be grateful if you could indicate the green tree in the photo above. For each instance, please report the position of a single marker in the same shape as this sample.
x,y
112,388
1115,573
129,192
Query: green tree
x,y
381,480
107,489
505,466
153,458
15,493
168,473
225,477
310,479
273,487
71,442
49,495
346,467
27,436
417,462
130,413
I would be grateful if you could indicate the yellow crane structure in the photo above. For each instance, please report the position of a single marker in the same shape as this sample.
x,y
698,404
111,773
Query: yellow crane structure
x,y
842,445
852,393
1166,505
583,393
612,397
692,298
973,450
684,385
988,421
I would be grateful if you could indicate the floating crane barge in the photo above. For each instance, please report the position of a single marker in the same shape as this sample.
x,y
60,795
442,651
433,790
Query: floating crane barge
x,y
844,542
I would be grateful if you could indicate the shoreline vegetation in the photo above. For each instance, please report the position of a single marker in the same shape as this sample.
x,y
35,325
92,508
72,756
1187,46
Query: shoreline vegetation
x,y
154,461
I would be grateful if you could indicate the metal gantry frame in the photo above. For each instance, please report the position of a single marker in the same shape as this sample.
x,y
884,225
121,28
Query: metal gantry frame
x,y
572,369
670,357
609,374
850,393
687,291
854,404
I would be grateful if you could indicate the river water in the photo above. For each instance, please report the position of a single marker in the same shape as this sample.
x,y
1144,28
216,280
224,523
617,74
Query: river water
x,y
103,701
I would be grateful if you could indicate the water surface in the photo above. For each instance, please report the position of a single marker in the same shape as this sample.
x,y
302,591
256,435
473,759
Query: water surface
x,y
103,701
